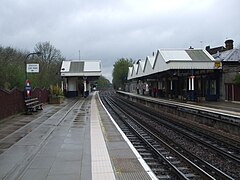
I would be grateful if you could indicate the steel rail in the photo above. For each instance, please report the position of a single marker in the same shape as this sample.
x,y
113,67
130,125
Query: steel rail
x,y
219,150
176,170
221,173
212,168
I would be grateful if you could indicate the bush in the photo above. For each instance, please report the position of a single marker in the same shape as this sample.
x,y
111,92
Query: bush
x,y
55,90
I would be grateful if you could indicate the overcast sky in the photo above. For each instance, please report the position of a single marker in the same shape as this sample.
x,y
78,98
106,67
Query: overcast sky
x,y
107,30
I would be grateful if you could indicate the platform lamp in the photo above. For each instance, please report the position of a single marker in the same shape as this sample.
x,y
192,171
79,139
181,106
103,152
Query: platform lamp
x,y
27,86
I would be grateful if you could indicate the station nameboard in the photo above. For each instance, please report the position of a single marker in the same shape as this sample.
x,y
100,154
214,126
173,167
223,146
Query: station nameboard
x,y
33,68
217,64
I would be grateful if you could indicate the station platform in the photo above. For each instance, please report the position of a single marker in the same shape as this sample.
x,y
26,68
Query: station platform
x,y
75,140
221,117
226,107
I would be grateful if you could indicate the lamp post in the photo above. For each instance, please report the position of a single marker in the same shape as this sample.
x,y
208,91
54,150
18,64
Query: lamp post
x,y
27,84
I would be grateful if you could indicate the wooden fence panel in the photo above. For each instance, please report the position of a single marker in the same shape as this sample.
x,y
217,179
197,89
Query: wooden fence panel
x,y
236,93
12,102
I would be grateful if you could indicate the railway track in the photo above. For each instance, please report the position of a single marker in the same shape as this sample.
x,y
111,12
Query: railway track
x,y
166,159
206,149
225,147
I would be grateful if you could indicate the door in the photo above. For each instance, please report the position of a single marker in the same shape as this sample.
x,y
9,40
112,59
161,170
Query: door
x,y
212,90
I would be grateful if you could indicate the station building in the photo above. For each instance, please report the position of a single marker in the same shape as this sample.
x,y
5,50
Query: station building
x,y
188,74
79,76
230,58
191,74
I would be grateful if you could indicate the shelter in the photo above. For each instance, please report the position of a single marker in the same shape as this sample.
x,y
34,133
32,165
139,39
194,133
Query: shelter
x,y
174,73
79,76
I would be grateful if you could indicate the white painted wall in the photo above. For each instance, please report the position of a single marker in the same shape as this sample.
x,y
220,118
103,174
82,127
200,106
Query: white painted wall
x,y
72,84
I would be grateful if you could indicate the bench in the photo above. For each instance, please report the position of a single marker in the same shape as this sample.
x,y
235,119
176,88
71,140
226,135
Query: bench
x,y
32,105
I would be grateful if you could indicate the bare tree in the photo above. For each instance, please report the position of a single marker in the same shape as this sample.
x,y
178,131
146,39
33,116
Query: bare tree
x,y
50,63
49,53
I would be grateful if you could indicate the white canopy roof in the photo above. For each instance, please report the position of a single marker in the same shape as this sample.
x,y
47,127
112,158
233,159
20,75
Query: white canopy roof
x,y
172,59
81,68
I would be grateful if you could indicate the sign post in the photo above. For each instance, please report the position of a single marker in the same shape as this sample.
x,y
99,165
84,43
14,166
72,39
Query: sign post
x,y
32,68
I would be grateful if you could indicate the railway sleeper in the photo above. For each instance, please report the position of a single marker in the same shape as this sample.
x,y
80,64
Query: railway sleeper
x,y
163,177
191,175
165,153
130,135
145,154
183,168
138,145
141,150
176,162
186,171
133,139
149,158
160,148
159,170
153,164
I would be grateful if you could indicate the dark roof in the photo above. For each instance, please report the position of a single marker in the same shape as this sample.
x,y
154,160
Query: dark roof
x,y
232,55
198,55
76,67
215,50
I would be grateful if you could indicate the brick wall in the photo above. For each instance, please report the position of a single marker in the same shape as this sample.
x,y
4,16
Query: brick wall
x,y
12,102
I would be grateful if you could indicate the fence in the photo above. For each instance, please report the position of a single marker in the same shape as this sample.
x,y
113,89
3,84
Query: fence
x,y
12,102
232,92
237,93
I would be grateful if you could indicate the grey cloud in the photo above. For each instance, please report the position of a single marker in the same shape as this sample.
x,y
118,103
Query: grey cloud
x,y
109,29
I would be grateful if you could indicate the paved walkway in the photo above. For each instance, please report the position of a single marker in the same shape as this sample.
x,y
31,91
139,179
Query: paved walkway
x,y
56,149
68,142
225,105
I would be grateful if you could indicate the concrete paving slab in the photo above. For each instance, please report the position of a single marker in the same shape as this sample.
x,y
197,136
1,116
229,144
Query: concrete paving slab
x,y
65,167
72,148
64,177
41,162
69,156
36,174
50,150
6,165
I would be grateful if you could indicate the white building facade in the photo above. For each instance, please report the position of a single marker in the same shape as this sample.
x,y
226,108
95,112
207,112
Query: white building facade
x,y
79,76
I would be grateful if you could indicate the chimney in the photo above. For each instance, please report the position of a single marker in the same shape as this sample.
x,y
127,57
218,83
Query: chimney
x,y
207,48
229,44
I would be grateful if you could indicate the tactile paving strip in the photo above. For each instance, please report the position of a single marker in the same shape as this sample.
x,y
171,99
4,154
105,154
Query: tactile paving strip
x,y
133,176
126,165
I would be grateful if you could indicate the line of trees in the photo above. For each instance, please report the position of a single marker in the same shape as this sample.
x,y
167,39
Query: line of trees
x,y
12,66
103,83
120,72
